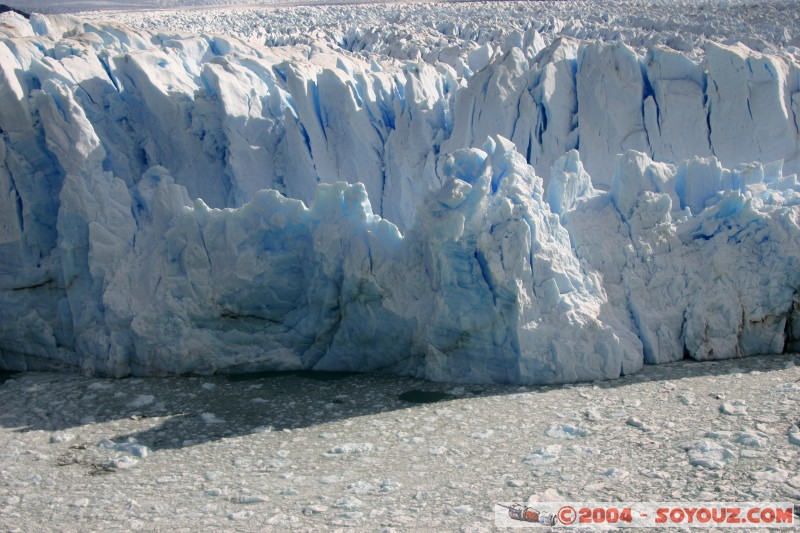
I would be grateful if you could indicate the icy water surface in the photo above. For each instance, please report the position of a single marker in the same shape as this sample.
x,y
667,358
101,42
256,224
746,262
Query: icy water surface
x,y
319,452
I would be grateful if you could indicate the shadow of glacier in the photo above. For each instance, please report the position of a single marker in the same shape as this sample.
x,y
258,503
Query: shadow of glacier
x,y
180,412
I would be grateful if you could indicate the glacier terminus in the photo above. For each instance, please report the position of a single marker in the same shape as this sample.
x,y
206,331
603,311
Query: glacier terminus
x,y
541,208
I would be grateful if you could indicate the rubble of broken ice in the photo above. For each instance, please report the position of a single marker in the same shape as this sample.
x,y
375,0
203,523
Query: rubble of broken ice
x,y
174,204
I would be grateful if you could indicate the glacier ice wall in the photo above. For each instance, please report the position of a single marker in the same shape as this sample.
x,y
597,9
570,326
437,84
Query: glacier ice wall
x,y
175,204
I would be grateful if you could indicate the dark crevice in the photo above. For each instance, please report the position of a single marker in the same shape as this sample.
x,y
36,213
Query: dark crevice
x,y
707,106
45,283
791,334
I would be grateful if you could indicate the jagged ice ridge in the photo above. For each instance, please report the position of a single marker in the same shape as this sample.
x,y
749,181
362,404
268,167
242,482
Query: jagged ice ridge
x,y
565,210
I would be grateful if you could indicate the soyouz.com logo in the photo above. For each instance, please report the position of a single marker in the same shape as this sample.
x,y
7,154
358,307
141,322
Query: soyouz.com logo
x,y
646,514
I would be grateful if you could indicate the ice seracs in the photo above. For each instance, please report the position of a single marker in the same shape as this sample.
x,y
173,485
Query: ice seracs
x,y
173,204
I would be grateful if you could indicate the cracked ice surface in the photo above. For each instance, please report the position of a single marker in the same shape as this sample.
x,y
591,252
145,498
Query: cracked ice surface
x,y
320,452
197,203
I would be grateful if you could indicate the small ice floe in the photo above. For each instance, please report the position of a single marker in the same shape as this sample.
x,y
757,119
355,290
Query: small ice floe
x,y
244,498
350,448
485,434
687,398
283,521
655,474
131,447
614,473
719,435
58,438
593,415
387,485
241,515
755,439
772,474
566,431
124,462
549,495
794,435
638,424
329,480
361,487
543,456
708,454
350,503
211,418
734,408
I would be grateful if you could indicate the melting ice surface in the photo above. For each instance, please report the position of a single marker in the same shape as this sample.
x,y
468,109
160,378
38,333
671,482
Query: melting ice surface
x,y
565,211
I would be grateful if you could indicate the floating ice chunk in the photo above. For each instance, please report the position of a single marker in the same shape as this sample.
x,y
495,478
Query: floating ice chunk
x,y
565,431
211,418
484,434
124,462
638,424
734,408
772,474
709,454
548,495
329,480
794,435
753,438
134,448
241,515
348,502
351,448
615,473
361,487
62,437
247,498
460,510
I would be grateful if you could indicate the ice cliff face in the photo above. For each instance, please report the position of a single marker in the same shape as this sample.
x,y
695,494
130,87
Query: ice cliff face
x,y
174,204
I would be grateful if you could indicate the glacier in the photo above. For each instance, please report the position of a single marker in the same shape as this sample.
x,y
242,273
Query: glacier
x,y
550,210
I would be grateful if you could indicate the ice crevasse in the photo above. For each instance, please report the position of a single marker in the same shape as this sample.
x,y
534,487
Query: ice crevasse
x,y
190,204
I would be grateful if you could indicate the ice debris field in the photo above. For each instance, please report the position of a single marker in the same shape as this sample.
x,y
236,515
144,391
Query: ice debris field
x,y
531,200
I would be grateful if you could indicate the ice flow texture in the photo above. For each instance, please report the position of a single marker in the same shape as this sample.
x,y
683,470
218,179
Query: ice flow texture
x,y
173,204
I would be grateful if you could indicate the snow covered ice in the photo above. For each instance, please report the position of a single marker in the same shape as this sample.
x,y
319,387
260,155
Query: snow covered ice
x,y
535,209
